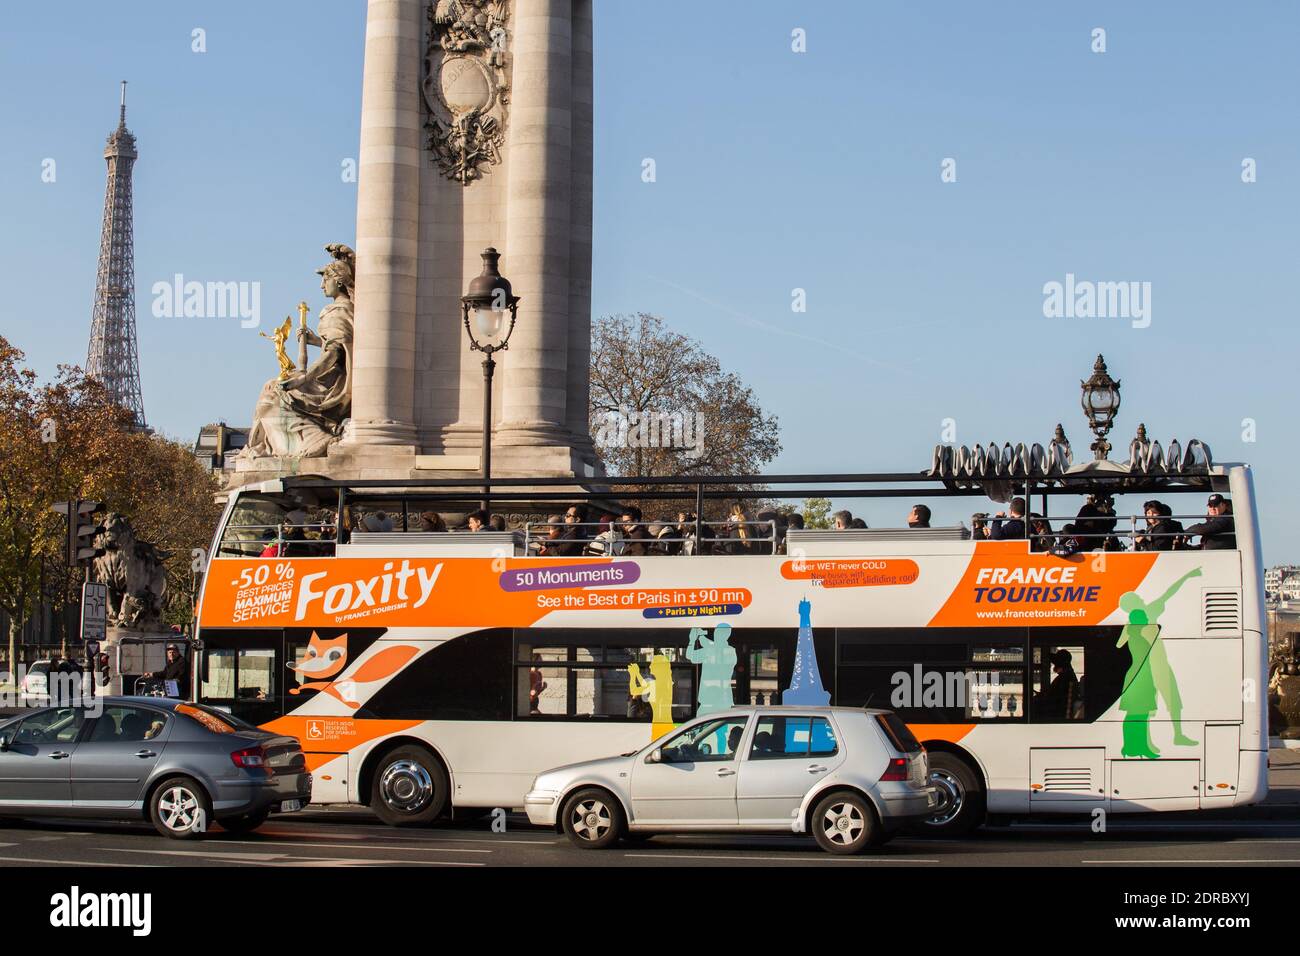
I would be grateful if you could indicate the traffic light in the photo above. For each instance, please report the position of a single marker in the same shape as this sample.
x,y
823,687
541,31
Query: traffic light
x,y
80,546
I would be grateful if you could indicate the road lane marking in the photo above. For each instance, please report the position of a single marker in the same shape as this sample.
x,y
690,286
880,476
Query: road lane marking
x,y
1120,861
335,846
679,857
46,861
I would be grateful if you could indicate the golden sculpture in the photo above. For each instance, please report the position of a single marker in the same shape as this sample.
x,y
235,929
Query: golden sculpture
x,y
280,337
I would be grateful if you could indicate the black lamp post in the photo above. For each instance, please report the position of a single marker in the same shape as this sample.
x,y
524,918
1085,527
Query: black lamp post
x,y
485,308
1101,404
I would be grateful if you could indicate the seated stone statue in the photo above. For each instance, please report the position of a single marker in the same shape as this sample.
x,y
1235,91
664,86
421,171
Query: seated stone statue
x,y
301,415
134,572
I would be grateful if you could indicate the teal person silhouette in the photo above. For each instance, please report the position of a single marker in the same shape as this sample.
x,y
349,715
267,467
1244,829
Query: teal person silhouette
x,y
1148,673
805,688
718,661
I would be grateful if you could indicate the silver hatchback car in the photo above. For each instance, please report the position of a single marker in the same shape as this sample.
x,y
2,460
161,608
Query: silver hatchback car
x,y
852,777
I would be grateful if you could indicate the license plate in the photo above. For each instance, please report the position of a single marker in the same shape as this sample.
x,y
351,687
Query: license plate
x,y
288,806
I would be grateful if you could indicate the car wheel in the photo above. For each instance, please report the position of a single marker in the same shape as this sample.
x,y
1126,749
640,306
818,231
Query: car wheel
x,y
844,822
592,819
245,822
180,809
410,788
961,797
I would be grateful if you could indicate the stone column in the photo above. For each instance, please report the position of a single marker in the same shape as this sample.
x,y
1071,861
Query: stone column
x,y
579,358
536,255
388,203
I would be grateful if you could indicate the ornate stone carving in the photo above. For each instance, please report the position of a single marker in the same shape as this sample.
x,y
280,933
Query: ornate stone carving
x,y
466,86
134,573
301,413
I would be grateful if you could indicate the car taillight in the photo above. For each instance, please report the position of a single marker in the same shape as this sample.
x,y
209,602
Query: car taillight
x,y
251,757
897,770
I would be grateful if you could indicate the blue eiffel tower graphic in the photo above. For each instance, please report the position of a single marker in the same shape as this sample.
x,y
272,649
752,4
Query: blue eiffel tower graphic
x,y
805,688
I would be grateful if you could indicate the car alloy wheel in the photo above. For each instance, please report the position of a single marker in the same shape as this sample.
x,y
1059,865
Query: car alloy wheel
x,y
406,786
590,819
178,807
843,823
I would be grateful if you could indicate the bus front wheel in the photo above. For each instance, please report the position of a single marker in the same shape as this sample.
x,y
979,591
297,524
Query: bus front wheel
x,y
961,796
409,788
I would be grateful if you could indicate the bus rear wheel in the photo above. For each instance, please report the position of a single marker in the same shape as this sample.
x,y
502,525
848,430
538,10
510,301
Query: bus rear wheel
x,y
409,788
961,797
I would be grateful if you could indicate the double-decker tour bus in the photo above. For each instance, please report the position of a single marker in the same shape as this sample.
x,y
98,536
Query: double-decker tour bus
x,y
1058,671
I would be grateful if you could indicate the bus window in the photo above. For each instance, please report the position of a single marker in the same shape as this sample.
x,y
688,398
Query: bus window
x,y
933,675
1077,673
602,681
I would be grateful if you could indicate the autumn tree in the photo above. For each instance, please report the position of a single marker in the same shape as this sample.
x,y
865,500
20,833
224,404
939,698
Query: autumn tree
x,y
66,439
662,405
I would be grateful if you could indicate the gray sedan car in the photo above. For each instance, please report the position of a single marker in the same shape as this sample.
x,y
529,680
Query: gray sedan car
x,y
177,764
852,777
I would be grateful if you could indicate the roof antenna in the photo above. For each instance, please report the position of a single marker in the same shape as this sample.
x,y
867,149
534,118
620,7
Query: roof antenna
x,y
122,115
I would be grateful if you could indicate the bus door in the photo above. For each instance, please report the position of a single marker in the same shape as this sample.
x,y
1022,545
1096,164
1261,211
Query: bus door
x,y
243,673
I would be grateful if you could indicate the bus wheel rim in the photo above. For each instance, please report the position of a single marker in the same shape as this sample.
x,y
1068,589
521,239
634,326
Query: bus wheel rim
x,y
952,794
590,820
843,823
406,786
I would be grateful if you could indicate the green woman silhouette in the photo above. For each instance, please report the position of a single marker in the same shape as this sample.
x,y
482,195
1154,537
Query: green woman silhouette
x,y
1148,673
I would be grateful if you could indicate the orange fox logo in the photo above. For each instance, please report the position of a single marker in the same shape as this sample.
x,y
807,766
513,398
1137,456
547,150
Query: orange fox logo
x,y
324,659
328,658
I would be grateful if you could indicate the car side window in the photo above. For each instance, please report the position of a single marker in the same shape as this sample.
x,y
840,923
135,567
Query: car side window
x,y
127,724
709,742
58,725
778,737
821,738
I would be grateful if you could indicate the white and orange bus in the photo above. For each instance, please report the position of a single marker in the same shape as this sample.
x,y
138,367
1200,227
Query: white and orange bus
x,y
433,672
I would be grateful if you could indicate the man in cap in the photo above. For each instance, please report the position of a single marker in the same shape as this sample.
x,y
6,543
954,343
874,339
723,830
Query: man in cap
x,y
1217,530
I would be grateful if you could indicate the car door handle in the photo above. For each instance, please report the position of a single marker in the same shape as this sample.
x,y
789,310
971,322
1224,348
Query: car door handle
x,y
816,768
59,755
145,753
724,772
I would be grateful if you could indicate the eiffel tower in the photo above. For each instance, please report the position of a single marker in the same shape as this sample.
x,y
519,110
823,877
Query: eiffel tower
x,y
112,358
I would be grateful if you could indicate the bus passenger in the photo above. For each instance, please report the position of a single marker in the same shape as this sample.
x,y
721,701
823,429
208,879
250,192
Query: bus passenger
x,y
1217,531
549,545
477,521
431,521
497,522
574,537
1163,532
918,517
1041,537
1006,530
1058,700
842,520
634,533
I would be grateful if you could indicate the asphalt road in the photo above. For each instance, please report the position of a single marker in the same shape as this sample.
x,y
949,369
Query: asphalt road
x,y
351,837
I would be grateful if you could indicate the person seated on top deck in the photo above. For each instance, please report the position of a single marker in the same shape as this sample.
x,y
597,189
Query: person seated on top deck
x,y
637,540
477,521
574,538
549,546
1094,525
736,531
685,530
431,521
842,520
918,517
1006,530
979,525
857,524
291,543
377,521
1163,533
1041,537
1218,531
497,523
769,532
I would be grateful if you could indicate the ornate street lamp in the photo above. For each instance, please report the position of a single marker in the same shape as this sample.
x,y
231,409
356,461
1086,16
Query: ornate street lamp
x,y
486,307
1101,404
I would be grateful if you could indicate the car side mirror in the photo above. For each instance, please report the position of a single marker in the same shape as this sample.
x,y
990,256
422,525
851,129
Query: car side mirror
x,y
655,756
6,739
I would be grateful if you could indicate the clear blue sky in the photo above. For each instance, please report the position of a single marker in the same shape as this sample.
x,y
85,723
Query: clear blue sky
x,y
775,171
